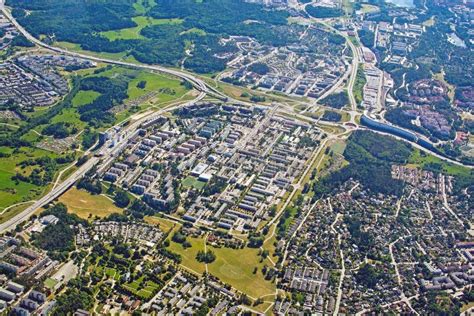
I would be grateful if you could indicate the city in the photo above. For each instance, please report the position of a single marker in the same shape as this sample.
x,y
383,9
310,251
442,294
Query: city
x,y
268,157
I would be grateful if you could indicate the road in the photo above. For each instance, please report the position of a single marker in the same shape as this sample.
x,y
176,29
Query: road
x,y
112,152
195,81
106,151
60,189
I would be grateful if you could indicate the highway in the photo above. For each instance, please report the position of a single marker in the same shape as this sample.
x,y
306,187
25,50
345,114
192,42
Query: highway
x,y
106,151
60,189
196,82
109,153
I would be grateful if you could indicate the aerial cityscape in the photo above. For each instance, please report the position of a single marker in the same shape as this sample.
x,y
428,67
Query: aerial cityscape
x,y
236,157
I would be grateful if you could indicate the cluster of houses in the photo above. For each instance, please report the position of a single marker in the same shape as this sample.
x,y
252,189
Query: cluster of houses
x,y
32,80
185,295
142,233
20,260
227,165
44,67
24,88
301,69
7,32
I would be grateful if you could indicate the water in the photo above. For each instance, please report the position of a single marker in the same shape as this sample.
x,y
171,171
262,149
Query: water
x,y
402,3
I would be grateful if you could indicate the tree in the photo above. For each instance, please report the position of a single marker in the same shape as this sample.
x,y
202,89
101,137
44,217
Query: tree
x,y
121,199
206,257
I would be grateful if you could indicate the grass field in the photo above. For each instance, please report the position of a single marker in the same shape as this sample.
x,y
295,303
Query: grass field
x,y
165,225
270,243
70,116
338,147
418,159
134,32
141,7
86,205
77,48
359,85
232,266
368,8
235,267
168,88
10,191
193,182
50,283
189,254
84,97
141,288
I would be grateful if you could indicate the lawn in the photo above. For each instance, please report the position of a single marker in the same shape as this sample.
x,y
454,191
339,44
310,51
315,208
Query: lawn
x,y
189,254
270,243
235,267
112,273
134,32
193,182
50,283
368,8
77,48
232,266
71,116
86,205
338,147
141,7
168,88
142,288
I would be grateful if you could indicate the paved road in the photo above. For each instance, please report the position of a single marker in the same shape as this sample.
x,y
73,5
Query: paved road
x,y
60,189
196,82
110,153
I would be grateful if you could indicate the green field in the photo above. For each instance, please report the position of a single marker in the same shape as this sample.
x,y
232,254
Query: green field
x,y
338,147
86,205
84,97
77,48
194,30
11,192
168,88
188,255
358,89
141,7
235,267
50,283
141,288
71,116
420,160
232,266
134,32
165,225
193,182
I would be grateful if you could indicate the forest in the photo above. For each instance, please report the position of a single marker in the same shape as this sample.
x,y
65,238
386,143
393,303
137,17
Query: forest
x,y
201,26
370,157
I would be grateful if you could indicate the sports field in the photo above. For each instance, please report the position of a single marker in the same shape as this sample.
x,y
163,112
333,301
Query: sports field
x,y
236,266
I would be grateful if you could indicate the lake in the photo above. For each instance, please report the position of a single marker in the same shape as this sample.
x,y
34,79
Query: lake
x,y
402,3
